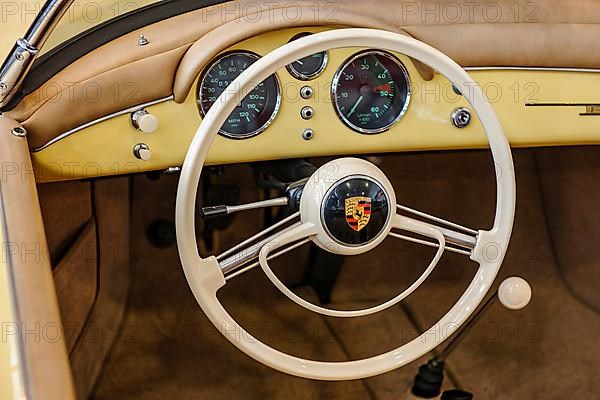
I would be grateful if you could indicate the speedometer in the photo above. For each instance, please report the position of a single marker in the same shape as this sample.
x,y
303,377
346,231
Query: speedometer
x,y
255,112
371,91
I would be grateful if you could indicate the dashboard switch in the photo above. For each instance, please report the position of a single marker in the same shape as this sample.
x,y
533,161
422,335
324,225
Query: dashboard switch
x,y
306,92
308,134
307,112
142,152
143,121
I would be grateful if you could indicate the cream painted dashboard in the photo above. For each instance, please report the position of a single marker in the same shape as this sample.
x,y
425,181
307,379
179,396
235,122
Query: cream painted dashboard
x,y
559,96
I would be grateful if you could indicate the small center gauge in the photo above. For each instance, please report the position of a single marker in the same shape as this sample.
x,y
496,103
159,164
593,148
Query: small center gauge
x,y
310,67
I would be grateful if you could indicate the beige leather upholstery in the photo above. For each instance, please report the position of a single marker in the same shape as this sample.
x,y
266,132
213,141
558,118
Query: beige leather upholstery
x,y
103,94
119,74
48,375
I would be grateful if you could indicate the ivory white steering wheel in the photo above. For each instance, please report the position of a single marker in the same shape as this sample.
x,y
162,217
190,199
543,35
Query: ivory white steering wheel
x,y
344,179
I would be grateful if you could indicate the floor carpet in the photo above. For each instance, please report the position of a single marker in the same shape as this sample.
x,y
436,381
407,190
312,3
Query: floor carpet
x,y
167,349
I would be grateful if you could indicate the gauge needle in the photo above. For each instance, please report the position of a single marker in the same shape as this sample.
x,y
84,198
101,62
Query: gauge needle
x,y
354,107
299,62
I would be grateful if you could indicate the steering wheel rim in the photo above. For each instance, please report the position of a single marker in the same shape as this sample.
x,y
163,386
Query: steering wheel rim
x,y
205,277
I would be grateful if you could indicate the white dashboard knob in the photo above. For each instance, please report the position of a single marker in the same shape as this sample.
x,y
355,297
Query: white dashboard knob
x,y
144,121
142,152
514,293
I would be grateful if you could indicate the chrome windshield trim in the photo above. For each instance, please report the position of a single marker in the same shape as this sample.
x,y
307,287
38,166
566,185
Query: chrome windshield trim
x,y
541,69
98,120
26,49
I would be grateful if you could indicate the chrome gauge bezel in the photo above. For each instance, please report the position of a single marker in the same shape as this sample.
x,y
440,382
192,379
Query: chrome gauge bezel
x,y
203,112
336,78
307,77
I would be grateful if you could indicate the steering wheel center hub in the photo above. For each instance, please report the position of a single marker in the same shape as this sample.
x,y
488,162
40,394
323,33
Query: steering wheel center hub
x,y
355,211
350,202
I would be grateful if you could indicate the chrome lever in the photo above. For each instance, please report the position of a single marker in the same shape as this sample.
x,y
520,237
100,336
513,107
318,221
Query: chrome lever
x,y
217,211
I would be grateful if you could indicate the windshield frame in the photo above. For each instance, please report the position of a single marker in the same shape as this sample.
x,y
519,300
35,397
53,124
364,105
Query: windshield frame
x,y
19,78
24,52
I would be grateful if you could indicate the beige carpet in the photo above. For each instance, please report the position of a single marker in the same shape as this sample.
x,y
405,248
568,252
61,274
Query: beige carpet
x,y
167,348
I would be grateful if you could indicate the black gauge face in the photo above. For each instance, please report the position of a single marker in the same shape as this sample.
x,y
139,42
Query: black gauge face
x,y
371,91
255,112
308,67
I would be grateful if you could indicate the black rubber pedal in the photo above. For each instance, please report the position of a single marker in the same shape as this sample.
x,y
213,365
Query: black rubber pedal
x,y
428,381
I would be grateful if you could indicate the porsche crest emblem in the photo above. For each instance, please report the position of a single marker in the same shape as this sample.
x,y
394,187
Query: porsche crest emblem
x,y
358,212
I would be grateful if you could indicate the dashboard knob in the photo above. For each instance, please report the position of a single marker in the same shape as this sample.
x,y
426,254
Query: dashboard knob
x,y
307,112
461,117
514,293
143,121
142,152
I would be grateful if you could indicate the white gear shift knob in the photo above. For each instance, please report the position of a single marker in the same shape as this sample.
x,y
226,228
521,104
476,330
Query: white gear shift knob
x,y
514,293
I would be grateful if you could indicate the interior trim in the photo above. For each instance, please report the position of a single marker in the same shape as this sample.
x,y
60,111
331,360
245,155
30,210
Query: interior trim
x,y
21,383
169,98
99,120
45,361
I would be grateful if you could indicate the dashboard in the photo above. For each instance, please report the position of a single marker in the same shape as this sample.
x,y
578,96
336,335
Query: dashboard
x,y
370,91
342,101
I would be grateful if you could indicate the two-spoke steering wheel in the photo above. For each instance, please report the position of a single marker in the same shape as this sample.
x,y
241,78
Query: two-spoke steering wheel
x,y
345,185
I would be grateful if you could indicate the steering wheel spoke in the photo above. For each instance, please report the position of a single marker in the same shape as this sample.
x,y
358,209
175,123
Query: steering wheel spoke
x,y
457,238
243,256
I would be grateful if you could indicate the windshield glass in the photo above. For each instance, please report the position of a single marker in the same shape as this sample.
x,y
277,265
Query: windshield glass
x,y
83,15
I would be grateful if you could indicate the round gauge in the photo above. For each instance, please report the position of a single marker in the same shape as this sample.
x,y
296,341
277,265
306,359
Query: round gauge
x,y
255,112
371,91
309,67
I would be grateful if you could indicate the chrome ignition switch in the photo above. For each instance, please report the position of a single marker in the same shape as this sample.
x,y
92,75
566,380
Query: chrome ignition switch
x,y
461,117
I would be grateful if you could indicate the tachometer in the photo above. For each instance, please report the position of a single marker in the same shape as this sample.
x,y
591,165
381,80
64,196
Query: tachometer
x,y
255,112
371,91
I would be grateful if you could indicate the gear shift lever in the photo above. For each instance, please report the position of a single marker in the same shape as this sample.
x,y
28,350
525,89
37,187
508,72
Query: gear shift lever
x,y
514,293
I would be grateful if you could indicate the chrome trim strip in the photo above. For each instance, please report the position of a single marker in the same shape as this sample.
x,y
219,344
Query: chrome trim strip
x,y
557,69
566,104
101,119
26,49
